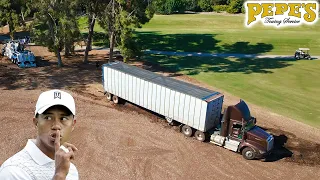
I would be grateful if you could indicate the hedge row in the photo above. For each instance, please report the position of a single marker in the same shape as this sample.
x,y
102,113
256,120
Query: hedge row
x,y
178,6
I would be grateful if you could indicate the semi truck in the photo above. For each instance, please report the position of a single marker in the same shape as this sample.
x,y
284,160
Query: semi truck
x,y
197,110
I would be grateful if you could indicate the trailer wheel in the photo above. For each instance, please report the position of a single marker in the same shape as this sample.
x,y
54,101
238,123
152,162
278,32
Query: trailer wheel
x,y
248,153
169,120
187,130
115,99
109,96
200,136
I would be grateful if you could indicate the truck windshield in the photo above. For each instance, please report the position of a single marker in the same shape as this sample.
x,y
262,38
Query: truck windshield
x,y
243,107
249,125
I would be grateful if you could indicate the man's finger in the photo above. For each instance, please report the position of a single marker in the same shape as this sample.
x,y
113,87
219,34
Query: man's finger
x,y
71,152
57,141
74,148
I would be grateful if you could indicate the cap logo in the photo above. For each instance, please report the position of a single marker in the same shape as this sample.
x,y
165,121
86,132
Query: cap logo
x,y
57,95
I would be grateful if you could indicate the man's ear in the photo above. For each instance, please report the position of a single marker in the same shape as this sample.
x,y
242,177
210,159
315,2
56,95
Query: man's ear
x,y
73,124
35,121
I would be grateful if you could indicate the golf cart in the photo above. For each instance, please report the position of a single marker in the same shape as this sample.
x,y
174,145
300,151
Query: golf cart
x,y
302,53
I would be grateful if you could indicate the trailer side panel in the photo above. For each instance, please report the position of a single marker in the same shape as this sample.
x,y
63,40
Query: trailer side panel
x,y
171,98
197,113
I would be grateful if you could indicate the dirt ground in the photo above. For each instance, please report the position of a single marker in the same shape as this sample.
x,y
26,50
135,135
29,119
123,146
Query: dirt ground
x,y
126,142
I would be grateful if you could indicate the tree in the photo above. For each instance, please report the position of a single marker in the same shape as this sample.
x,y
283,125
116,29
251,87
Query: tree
x,y
171,6
120,18
71,32
235,6
92,9
206,5
192,5
13,13
55,25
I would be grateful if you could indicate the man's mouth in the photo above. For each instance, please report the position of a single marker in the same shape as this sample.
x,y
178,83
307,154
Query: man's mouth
x,y
53,136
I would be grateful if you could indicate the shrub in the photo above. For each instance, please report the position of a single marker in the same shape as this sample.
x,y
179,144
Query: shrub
x,y
205,5
219,8
169,6
192,5
235,6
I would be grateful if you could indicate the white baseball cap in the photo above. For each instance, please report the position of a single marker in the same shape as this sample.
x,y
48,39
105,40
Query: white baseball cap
x,y
53,97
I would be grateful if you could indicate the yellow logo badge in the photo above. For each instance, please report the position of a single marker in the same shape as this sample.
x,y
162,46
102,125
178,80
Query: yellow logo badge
x,y
281,13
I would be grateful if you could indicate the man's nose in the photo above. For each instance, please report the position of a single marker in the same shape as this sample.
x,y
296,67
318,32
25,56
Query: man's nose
x,y
56,125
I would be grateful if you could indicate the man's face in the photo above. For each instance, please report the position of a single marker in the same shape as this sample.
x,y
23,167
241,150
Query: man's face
x,y
53,119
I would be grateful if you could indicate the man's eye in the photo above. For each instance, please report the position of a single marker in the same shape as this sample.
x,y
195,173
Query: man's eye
x,y
47,118
64,118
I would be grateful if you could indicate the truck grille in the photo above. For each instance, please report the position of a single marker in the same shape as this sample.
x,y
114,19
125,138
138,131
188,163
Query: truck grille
x,y
270,142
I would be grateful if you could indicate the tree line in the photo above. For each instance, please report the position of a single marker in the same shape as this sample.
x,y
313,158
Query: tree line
x,y
179,6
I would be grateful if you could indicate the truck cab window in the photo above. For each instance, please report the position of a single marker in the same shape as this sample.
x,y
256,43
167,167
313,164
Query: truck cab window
x,y
237,126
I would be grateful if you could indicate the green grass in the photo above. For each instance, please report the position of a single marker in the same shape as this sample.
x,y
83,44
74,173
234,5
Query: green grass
x,y
286,87
225,31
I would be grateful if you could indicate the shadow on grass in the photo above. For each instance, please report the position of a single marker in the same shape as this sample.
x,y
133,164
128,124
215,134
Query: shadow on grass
x,y
177,42
206,43
196,65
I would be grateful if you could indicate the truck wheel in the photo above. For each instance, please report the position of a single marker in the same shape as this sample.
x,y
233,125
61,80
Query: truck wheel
x,y
115,99
248,153
187,130
200,136
109,96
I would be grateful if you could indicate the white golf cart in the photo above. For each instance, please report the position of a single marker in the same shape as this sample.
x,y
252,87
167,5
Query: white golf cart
x,y
302,53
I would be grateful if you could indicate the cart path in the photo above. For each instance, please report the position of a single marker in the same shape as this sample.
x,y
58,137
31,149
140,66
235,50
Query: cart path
x,y
203,54
224,55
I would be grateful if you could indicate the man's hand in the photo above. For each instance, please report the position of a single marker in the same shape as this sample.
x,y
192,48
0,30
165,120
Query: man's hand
x,y
62,158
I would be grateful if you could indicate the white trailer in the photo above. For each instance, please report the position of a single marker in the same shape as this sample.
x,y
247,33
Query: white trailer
x,y
196,108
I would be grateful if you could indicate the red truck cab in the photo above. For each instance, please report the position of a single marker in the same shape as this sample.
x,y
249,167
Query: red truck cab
x,y
238,132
